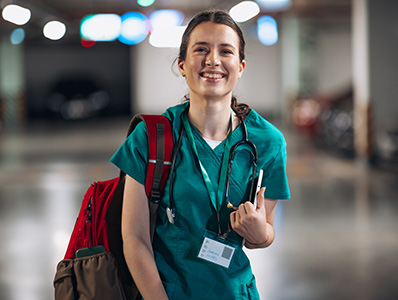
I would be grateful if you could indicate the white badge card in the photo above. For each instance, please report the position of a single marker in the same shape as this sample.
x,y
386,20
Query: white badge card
x,y
216,251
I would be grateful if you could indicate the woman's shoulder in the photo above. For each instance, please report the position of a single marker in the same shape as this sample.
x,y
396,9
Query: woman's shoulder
x,y
261,129
174,112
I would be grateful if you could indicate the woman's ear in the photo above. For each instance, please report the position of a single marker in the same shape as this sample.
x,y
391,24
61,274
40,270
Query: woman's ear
x,y
242,67
181,65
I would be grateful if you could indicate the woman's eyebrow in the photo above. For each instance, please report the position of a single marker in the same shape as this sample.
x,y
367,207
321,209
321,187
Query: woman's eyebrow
x,y
200,44
227,45
206,44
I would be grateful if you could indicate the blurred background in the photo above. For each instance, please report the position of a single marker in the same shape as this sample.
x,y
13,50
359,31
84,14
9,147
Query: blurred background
x,y
72,73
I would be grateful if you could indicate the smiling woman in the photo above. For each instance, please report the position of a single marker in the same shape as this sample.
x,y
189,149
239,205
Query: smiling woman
x,y
197,250
212,65
217,17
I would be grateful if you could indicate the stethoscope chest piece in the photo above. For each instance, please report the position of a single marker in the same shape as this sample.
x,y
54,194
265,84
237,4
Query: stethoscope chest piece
x,y
170,215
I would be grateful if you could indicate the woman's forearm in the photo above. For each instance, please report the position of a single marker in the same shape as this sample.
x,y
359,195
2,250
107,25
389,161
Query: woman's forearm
x,y
262,244
137,244
143,269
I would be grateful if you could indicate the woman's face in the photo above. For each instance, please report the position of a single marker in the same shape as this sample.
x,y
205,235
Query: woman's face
x,y
212,66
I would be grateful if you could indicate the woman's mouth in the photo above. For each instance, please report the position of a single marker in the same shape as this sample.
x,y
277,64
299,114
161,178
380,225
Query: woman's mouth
x,y
211,75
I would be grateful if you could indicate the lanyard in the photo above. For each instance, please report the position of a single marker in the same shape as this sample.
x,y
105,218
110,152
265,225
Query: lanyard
x,y
215,198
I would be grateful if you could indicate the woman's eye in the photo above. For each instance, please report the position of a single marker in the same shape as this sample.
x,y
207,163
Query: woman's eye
x,y
226,51
200,50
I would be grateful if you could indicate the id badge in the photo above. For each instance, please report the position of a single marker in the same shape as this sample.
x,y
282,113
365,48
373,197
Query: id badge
x,y
216,250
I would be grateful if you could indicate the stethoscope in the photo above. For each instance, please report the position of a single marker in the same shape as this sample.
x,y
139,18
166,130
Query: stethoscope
x,y
170,211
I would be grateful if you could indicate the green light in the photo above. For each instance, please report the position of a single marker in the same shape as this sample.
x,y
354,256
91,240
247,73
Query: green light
x,y
145,2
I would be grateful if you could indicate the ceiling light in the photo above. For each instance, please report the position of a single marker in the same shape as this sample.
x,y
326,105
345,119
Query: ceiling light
x,y
244,11
54,30
274,5
16,14
134,29
169,37
145,3
166,18
17,36
101,27
267,30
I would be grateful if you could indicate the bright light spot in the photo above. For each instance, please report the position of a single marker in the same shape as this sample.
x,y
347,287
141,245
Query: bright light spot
x,y
166,18
274,5
101,27
17,36
145,2
54,30
244,11
267,30
134,28
169,37
16,14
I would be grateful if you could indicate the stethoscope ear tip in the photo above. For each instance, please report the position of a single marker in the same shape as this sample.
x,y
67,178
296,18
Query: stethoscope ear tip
x,y
229,205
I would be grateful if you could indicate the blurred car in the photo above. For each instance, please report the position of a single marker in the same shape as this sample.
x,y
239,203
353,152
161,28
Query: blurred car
x,y
387,144
328,119
76,98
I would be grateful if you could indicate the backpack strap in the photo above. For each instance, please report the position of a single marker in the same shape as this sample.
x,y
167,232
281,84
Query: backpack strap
x,y
160,145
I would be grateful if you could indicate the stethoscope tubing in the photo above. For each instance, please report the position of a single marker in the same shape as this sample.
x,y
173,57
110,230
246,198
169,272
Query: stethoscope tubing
x,y
245,140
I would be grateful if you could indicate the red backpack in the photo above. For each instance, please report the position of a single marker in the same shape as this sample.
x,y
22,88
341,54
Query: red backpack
x,y
98,225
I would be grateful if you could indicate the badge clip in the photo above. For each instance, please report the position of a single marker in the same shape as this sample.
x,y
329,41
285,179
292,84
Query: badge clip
x,y
216,250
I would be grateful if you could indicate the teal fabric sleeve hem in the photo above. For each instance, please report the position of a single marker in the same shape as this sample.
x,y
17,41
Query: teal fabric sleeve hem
x,y
278,197
275,176
275,179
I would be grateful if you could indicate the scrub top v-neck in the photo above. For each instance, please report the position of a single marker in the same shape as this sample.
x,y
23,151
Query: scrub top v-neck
x,y
176,246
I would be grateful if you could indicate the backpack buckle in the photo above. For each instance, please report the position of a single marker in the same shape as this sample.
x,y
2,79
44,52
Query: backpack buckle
x,y
155,195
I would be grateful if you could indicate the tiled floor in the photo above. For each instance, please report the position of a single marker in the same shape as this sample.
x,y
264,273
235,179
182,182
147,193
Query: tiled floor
x,y
337,238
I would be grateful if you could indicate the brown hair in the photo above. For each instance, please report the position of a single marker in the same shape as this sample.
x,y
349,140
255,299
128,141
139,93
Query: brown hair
x,y
218,17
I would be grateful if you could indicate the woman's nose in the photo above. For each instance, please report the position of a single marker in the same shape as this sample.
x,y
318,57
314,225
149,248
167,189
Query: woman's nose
x,y
212,60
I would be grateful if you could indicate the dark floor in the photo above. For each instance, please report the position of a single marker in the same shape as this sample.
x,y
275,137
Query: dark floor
x,y
337,238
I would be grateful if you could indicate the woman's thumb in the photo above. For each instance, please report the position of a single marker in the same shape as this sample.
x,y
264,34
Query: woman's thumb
x,y
261,199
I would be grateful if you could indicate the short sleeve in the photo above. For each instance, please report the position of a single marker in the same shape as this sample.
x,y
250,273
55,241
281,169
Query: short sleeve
x,y
131,157
275,176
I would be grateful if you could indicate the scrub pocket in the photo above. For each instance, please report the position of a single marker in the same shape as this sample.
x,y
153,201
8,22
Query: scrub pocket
x,y
251,290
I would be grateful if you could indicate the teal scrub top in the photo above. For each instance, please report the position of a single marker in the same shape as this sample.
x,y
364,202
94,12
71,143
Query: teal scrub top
x,y
176,246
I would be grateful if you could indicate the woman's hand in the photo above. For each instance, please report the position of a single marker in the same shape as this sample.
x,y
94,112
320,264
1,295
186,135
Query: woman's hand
x,y
255,224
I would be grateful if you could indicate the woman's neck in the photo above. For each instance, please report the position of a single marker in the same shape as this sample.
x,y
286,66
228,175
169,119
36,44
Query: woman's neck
x,y
211,119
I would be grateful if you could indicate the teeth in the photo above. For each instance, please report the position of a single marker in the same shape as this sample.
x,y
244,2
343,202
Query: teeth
x,y
212,75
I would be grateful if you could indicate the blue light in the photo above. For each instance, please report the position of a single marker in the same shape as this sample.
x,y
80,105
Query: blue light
x,y
17,36
165,18
135,28
274,5
267,30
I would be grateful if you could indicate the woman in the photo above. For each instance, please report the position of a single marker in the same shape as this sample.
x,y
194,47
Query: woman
x,y
197,221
